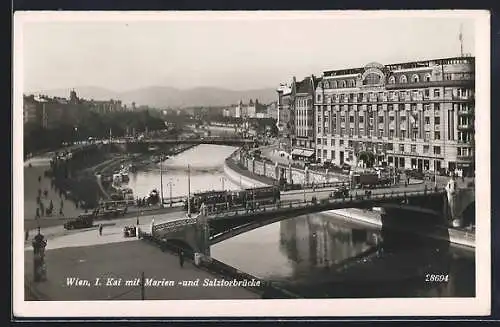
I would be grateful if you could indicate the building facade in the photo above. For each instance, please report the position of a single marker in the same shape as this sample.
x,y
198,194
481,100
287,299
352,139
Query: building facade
x,y
272,110
303,138
251,110
285,122
50,112
411,115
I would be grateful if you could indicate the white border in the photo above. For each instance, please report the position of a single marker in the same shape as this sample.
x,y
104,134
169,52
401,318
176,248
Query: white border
x,y
480,305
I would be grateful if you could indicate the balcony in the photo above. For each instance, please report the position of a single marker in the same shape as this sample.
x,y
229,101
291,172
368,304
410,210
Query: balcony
x,y
465,157
466,112
462,97
456,83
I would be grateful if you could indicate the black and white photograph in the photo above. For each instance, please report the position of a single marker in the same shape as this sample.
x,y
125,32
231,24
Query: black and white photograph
x,y
322,163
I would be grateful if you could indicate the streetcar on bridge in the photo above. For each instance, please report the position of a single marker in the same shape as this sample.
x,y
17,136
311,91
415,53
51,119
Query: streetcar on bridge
x,y
217,201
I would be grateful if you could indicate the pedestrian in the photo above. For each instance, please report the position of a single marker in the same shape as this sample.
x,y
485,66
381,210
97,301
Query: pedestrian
x,y
61,212
26,235
181,258
37,215
39,179
100,229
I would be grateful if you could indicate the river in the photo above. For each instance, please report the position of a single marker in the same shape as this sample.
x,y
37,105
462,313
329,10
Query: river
x,y
321,255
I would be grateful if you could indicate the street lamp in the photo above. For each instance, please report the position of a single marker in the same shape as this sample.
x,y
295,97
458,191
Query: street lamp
x,y
189,192
161,180
170,183
138,212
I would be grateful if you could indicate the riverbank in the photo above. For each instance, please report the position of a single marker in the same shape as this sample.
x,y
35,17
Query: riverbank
x,y
456,236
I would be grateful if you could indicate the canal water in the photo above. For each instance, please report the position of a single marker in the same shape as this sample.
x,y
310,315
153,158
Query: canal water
x,y
322,255
206,173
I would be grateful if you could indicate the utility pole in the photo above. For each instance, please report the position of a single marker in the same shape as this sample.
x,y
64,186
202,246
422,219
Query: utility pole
x,y
189,191
142,286
161,180
170,184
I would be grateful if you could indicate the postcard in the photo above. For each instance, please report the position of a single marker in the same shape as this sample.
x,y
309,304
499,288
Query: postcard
x,y
251,164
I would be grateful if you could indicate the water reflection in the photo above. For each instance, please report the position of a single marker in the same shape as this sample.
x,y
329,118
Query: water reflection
x,y
327,256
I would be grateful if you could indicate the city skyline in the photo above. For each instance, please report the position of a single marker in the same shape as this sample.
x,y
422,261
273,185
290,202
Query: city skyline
x,y
117,54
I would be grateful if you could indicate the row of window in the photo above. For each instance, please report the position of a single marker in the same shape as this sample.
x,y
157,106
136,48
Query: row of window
x,y
413,148
401,78
324,141
403,134
414,95
436,151
402,119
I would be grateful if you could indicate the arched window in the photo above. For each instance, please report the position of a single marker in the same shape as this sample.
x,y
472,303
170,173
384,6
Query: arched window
x,y
342,84
371,79
427,77
334,84
392,80
403,79
326,85
414,78
352,83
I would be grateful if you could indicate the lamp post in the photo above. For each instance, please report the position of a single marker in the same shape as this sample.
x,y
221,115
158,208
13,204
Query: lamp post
x,y
137,219
161,180
39,270
189,191
435,175
170,184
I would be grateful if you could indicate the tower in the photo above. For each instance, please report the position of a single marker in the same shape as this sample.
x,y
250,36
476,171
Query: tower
x,y
460,38
72,96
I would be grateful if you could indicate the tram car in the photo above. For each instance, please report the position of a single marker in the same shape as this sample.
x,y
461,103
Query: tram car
x,y
225,200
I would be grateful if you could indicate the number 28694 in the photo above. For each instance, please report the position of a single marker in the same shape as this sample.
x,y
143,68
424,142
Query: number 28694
x,y
436,277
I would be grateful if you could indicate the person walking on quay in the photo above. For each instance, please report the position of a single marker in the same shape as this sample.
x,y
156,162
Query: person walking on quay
x,y
100,229
181,258
26,235
39,179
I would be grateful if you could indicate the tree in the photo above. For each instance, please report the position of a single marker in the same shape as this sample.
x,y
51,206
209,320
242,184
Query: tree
x,y
368,158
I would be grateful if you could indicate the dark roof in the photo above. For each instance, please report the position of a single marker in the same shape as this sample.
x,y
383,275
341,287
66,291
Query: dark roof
x,y
307,85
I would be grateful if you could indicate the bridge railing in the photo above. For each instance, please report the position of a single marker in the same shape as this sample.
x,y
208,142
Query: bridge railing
x,y
352,198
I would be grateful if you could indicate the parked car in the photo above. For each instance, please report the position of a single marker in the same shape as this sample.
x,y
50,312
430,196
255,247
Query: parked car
x,y
85,220
339,192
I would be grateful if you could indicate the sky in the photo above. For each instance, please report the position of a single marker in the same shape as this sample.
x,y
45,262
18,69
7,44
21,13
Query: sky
x,y
231,51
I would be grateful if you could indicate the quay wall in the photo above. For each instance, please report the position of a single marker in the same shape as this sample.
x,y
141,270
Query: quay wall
x,y
232,171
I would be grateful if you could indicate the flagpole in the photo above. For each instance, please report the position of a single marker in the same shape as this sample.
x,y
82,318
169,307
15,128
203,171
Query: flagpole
x,y
161,180
189,191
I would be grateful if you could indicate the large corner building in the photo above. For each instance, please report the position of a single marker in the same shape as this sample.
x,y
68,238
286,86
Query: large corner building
x,y
410,115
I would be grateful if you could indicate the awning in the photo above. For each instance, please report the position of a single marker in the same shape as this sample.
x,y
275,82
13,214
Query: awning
x,y
302,153
308,153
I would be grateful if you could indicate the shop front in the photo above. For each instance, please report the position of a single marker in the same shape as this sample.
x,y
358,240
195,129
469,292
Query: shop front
x,y
306,155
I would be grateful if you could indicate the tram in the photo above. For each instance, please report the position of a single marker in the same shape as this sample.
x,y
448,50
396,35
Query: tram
x,y
217,201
